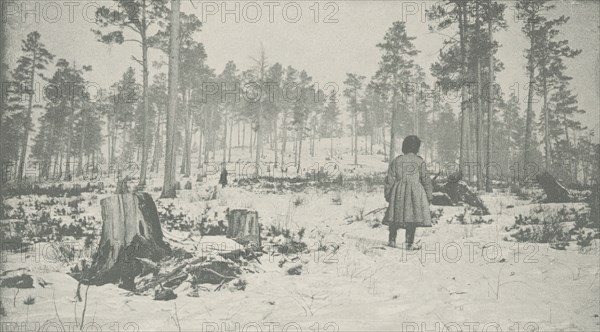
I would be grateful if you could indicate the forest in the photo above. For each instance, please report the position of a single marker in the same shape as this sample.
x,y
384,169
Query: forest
x,y
200,156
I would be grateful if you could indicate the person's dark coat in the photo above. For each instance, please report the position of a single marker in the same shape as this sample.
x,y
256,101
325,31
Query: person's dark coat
x,y
223,178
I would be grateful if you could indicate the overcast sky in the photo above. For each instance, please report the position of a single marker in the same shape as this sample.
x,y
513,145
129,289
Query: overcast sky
x,y
340,39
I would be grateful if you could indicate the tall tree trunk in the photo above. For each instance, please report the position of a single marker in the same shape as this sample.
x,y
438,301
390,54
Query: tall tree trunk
x,y
113,139
312,140
275,139
547,159
301,136
385,156
82,144
238,133
230,140
355,138
415,114
394,127
169,175
479,115
284,135
490,118
69,140
529,115
188,143
3,78
157,143
371,147
224,144
144,164
25,141
464,125
251,140
296,146
259,136
243,134
200,144
207,134
184,139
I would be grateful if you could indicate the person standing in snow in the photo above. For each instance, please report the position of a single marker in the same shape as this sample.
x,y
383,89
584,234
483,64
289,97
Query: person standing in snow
x,y
408,190
223,177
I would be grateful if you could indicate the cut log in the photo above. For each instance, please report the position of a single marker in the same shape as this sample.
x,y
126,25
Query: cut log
x,y
130,230
555,192
243,226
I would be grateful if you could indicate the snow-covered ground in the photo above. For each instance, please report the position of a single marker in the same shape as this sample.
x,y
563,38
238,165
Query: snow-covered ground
x,y
466,277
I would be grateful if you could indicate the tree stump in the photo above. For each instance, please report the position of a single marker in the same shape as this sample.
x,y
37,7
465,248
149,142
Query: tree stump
x,y
188,185
441,199
243,226
459,191
130,230
555,192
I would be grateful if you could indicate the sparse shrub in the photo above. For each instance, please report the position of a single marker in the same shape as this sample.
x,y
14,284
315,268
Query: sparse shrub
x,y
546,230
435,216
461,218
292,244
337,198
357,214
298,200
240,284
301,233
29,300
295,270
479,220
585,239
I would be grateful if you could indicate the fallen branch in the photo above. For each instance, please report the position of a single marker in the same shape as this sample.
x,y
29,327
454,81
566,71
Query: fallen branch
x,y
166,277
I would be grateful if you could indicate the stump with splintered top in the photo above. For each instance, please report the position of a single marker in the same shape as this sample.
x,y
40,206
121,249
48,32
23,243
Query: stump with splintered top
x,y
554,190
243,226
131,234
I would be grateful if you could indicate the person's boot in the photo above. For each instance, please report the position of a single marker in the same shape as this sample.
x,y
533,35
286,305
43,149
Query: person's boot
x,y
392,244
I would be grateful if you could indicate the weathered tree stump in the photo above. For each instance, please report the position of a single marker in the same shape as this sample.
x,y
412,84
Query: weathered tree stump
x,y
188,185
555,192
243,226
459,191
130,230
441,199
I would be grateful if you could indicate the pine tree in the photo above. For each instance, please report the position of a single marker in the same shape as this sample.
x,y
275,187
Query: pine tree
x,y
35,58
330,126
396,68
353,91
139,17
275,101
551,74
